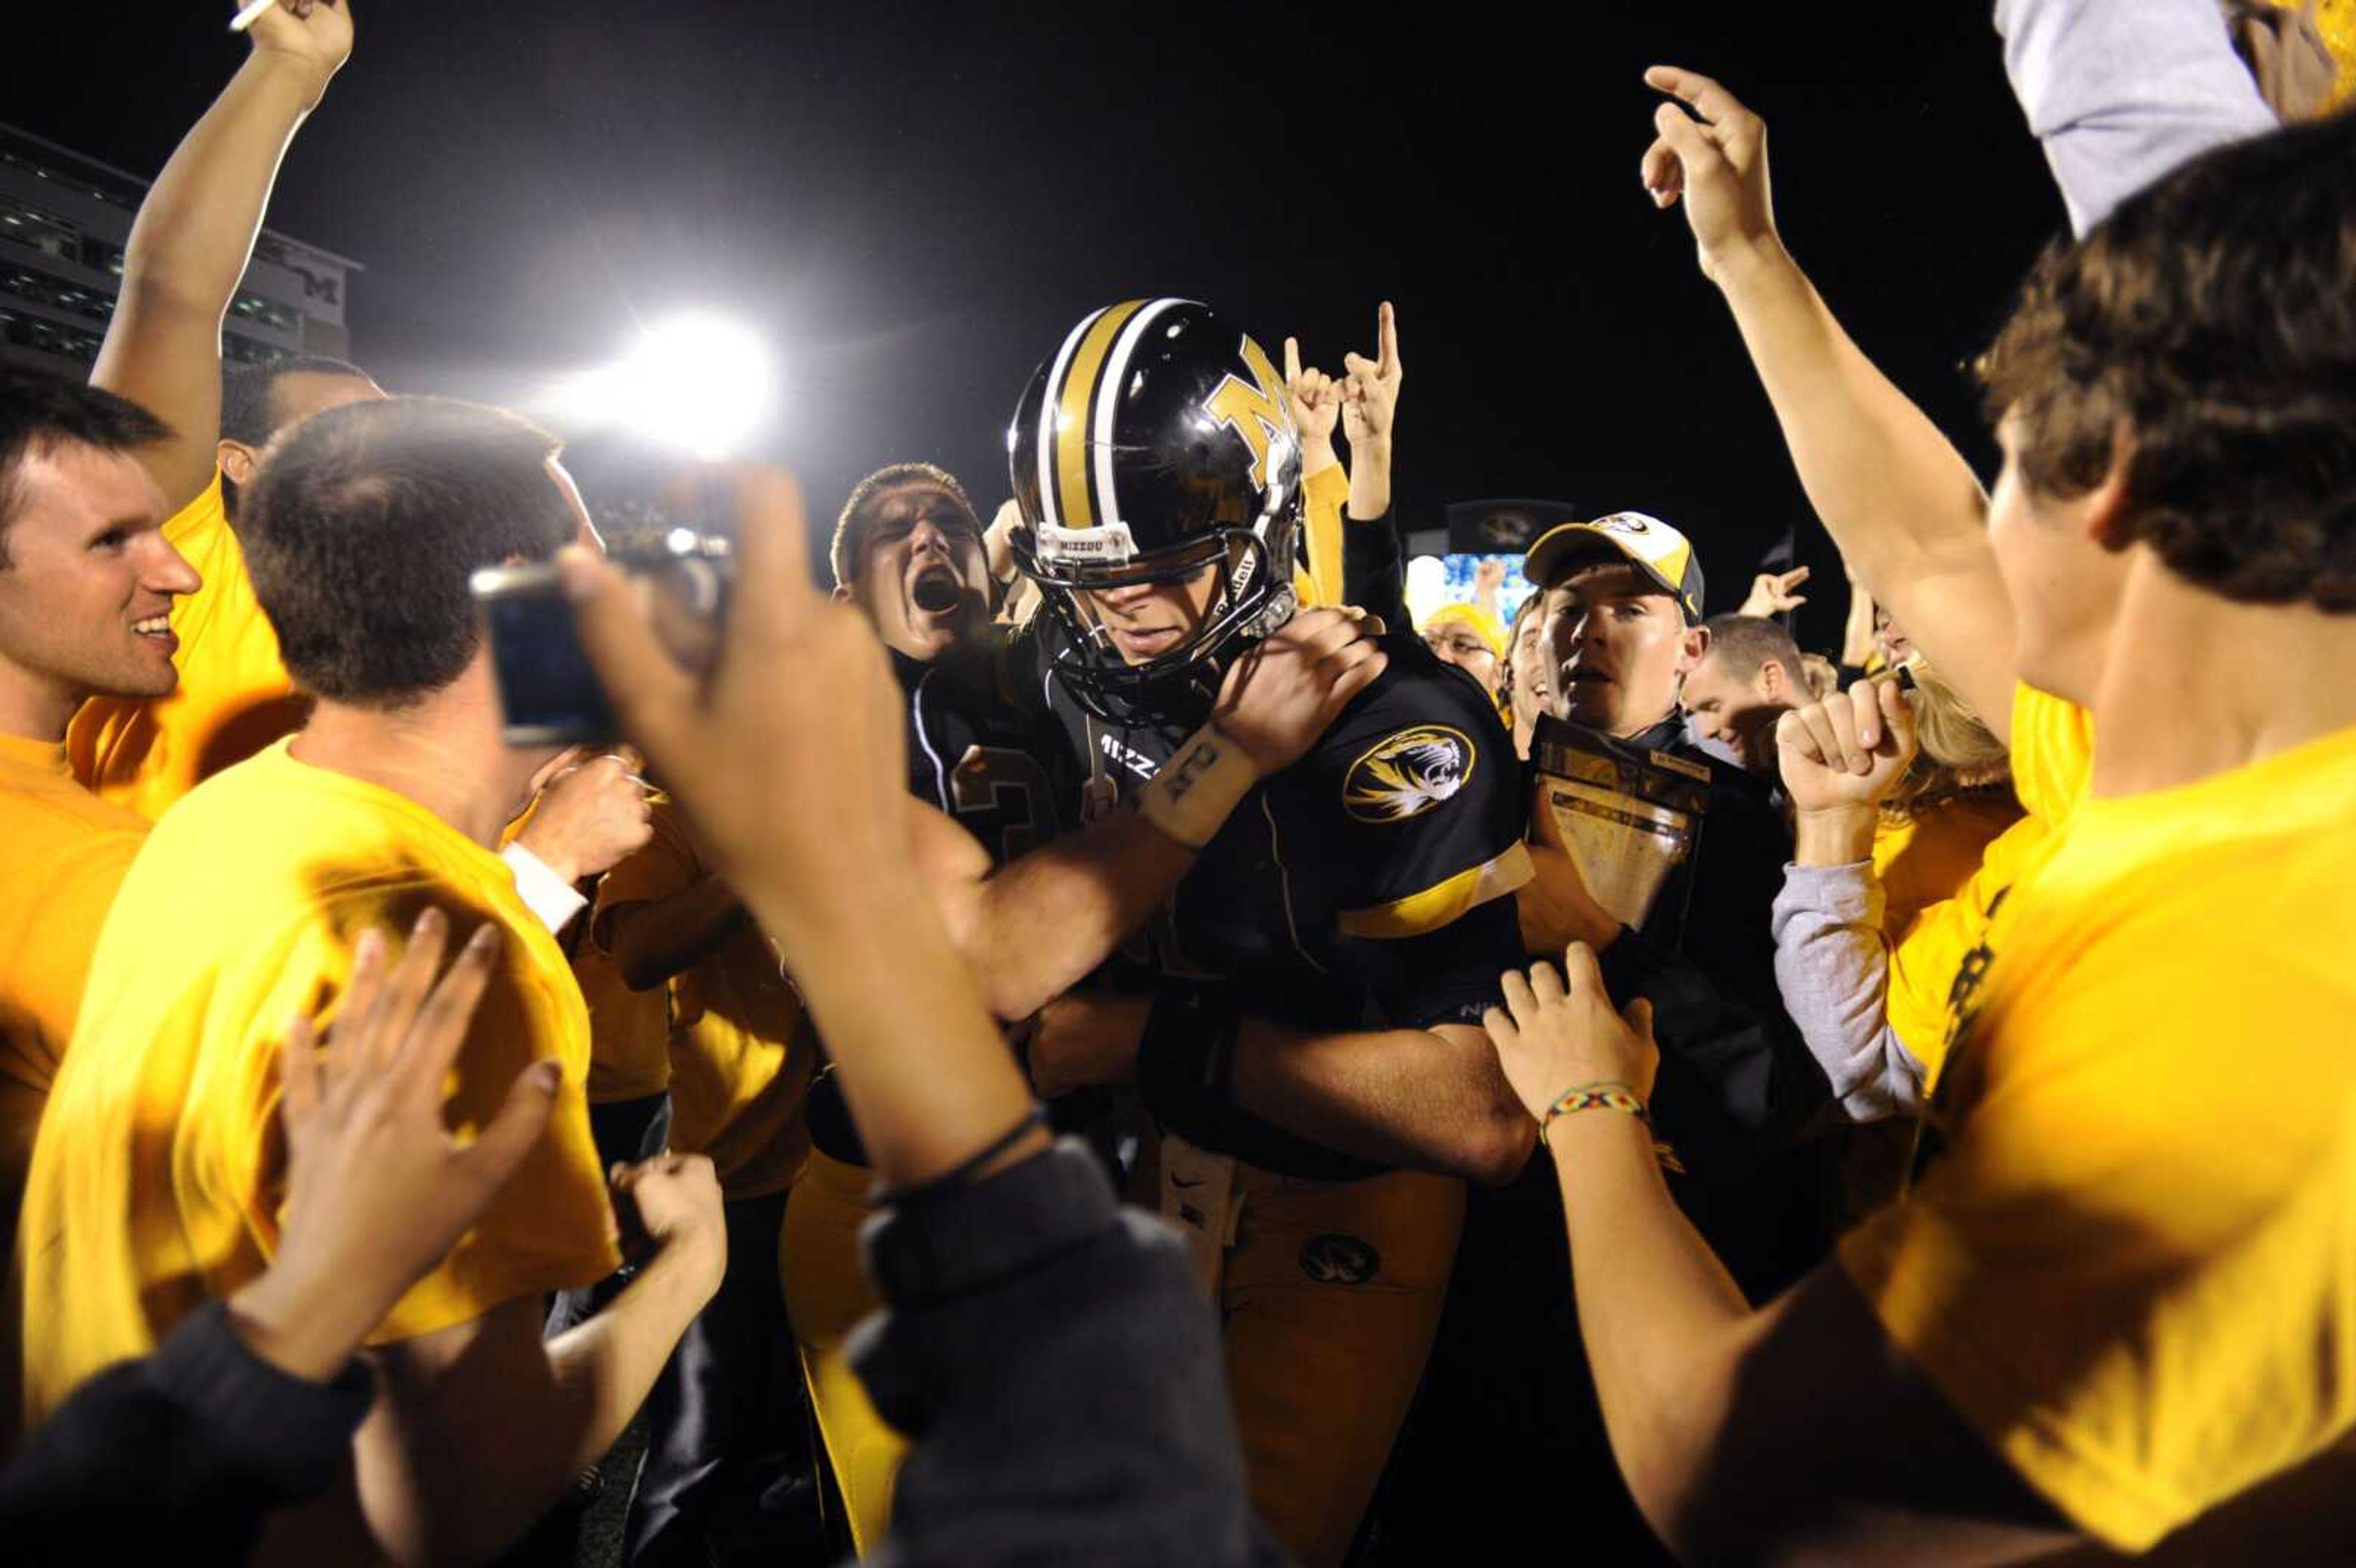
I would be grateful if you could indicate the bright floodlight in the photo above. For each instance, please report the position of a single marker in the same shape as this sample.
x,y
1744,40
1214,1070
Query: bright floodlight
x,y
694,381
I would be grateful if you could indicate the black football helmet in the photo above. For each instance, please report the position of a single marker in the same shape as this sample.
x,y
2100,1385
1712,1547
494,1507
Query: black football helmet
x,y
1157,443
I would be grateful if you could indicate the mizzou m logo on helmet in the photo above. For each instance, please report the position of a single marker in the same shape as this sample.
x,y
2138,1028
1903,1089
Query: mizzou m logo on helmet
x,y
1258,411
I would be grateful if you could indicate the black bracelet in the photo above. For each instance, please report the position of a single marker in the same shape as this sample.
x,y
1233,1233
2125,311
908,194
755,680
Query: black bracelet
x,y
959,1179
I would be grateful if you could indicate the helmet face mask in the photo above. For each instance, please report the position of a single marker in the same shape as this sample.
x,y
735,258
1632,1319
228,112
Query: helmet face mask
x,y
1180,684
1156,445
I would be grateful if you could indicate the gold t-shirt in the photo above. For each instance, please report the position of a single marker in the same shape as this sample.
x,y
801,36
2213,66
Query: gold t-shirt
x,y
629,1031
1928,859
742,1048
2129,1265
159,1174
1938,943
65,853
234,697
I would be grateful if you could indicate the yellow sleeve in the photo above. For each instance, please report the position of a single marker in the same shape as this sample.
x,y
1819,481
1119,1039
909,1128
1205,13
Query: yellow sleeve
x,y
552,1226
2130,1269
2052,753
234,696
1324,496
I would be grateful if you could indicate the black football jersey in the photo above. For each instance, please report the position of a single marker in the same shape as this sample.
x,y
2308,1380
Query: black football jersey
x,y
1005,776
1366,886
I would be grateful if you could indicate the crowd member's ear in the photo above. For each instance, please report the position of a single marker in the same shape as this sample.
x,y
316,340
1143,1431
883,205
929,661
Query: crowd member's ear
x,y
1775,681
1695,648
2102,511
236,460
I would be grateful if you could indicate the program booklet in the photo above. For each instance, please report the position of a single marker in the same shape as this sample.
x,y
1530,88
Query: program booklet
x,y
1628,815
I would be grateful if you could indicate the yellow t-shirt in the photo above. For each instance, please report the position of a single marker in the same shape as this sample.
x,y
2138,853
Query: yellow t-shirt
x,y
742,1048
234,697
2130,1265
629,1031
66,853
1937,945
1929,858
160,1170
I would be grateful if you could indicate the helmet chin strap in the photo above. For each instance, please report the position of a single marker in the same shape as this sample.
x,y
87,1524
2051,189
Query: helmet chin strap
x,y
1282,605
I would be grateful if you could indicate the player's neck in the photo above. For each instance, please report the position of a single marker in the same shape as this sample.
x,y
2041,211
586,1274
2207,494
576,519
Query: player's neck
x,y
34,707
2195,686
445,753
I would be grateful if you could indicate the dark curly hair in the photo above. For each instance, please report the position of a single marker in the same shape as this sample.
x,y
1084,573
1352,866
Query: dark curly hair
x,y
2209,326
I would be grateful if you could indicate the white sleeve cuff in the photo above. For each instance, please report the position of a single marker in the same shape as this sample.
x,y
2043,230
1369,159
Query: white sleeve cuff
x,y
550,896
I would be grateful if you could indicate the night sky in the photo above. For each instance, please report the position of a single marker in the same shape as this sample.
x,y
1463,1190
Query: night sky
x,y
914,202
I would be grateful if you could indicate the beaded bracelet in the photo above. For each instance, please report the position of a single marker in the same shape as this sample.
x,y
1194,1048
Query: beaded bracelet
x,y
1610,1095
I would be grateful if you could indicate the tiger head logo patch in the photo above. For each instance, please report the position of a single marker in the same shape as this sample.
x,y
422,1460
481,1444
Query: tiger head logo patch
x,y
1407,773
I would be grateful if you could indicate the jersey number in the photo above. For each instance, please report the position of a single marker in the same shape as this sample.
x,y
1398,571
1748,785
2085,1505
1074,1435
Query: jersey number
x,y
1002,792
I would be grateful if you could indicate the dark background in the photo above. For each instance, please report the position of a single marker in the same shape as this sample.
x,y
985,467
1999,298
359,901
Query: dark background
x,y
914,202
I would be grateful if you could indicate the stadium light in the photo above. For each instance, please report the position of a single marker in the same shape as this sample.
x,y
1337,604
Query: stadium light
x,y
697,381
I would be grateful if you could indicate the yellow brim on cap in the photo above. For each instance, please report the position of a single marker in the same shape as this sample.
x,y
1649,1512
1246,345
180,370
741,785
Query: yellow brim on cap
x,y
1551,554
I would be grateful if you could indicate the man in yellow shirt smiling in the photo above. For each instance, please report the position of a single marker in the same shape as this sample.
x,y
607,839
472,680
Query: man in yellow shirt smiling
x,y
86,582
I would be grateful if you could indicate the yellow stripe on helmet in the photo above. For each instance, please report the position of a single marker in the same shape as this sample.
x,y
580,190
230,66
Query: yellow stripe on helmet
x,y
1072,416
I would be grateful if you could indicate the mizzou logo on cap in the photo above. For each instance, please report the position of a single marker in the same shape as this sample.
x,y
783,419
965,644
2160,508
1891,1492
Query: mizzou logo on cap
x,y
1333,1259
1407,773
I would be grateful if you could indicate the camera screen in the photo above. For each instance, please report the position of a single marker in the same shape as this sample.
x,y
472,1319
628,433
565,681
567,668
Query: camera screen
x,y
547,687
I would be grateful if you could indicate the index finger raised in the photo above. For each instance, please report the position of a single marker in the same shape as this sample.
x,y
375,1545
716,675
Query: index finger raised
x,y
1707,97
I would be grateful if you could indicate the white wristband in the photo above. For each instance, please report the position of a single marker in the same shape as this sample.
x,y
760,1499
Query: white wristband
x,y
1191,798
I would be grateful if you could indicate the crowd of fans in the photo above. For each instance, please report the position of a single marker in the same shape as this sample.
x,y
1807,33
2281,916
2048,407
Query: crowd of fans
x,y
1197,1069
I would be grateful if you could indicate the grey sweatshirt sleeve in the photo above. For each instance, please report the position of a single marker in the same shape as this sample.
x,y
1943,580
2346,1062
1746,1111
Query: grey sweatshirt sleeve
x,y
1832,968
2121,91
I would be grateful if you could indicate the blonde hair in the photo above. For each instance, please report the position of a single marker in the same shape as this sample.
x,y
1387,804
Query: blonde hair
x,y
1960,754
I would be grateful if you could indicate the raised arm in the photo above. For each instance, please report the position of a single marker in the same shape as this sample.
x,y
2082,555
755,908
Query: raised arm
x,y
1370,390
195,233
1896,495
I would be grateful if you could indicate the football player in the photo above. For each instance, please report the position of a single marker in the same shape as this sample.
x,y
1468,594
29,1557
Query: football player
x,y
1033,905
1311,1049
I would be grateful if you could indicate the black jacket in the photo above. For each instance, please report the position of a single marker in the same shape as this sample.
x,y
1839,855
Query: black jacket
x,y
179,1456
